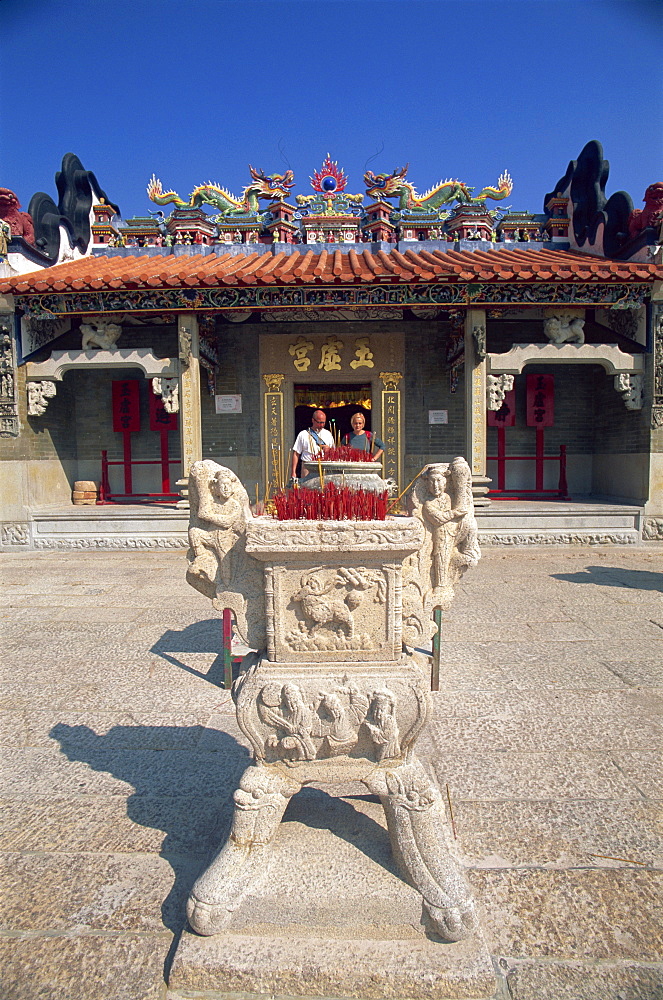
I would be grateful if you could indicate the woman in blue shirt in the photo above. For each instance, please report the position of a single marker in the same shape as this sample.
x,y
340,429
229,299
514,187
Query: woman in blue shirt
x,y
362,439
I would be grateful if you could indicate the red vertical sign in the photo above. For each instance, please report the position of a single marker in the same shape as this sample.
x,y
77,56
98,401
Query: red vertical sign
x,y
126,405
506,415
540,400
160,418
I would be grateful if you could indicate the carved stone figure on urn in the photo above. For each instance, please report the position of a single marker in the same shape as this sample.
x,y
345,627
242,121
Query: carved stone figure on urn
x,y
218,565
331,694
442,499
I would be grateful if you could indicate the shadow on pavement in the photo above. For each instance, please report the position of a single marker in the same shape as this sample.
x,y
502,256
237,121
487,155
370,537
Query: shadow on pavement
x,y
179,788
612,576
201,637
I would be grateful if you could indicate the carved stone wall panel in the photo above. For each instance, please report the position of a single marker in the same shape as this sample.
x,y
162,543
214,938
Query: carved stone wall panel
x,y
9,426
345,610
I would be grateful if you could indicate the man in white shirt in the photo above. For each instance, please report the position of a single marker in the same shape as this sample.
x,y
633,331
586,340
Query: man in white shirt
x,y
311,444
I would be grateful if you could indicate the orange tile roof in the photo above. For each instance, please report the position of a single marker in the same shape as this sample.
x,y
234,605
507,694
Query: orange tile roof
x,y
307,267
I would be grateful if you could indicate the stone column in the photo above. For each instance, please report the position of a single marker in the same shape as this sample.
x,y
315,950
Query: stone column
x,y
475,403
191,437
652,528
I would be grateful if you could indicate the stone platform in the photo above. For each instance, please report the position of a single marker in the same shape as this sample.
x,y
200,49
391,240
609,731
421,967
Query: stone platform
x,y
120,753
332,918
582,521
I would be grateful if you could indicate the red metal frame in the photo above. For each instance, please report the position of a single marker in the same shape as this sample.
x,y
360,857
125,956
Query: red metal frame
x,y
538,458
105,494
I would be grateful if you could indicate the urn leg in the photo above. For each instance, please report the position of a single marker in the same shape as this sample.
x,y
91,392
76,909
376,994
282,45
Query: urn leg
x,y
414,812
260,802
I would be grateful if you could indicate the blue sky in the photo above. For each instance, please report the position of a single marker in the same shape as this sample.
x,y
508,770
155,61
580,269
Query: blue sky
x,y
196,90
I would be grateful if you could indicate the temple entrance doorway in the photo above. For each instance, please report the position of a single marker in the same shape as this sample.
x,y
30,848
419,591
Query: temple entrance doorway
x,y
339,402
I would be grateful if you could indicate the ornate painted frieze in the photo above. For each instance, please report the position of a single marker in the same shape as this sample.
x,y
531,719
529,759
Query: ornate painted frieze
x,y
363,297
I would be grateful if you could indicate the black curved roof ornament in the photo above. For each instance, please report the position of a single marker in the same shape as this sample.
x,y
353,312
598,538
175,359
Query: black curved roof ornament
x,y
584,183
78,189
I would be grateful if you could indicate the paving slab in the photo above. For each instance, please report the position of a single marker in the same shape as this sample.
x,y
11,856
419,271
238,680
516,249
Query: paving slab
x,y
121,752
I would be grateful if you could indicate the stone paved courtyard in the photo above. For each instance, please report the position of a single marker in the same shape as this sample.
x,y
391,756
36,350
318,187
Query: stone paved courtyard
x,y
120,753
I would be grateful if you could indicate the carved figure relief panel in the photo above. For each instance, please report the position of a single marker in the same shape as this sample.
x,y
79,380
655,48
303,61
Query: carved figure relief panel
x,y
298,717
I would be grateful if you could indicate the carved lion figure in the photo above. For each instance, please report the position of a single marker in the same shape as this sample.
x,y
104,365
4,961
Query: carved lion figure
x,y
564,329
20,223
101,335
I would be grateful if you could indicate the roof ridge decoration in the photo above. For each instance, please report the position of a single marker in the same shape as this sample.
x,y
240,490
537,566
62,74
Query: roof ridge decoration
x,y
270,187
330,197
394,185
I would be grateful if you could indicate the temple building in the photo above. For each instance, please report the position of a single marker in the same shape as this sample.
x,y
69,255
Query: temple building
x,y
532,344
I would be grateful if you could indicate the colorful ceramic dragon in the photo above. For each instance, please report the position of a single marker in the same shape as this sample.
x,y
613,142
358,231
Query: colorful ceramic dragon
x,y
271,187
394,185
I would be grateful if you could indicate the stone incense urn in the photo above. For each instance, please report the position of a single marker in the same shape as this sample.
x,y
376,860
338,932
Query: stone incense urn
x,y
358,475
335,690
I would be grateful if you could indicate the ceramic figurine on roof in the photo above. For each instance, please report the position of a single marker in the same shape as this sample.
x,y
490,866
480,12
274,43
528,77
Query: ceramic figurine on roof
x,y
394,185
328,216
271,187
20,223
651,214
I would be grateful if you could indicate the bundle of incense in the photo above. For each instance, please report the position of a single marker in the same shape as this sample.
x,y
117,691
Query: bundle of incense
x,y
332,503
344,453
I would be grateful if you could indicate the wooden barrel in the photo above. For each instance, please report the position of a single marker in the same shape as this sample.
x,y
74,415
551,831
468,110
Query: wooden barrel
x,y
85,492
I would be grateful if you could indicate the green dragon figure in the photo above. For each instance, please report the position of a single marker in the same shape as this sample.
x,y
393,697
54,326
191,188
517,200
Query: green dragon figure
x,y
271,187
394,185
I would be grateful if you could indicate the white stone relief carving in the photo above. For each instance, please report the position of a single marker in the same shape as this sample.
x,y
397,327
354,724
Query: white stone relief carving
x,y
479,340
564,328
100,334
129,542
15,534
442,500
327,600
185,341
630,389
169,390
218,564
652,529
39,394
8,409
497,387
328,536
382,725
516,538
